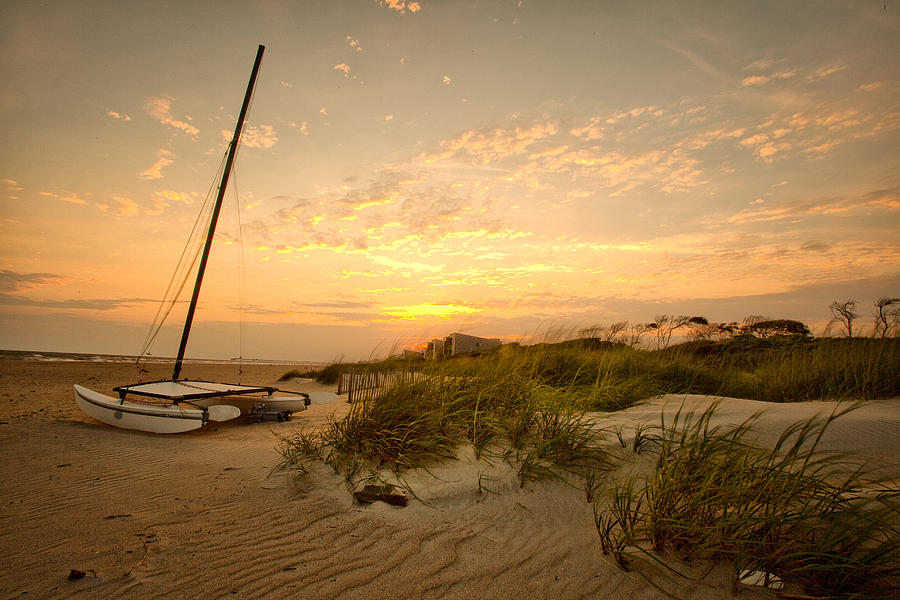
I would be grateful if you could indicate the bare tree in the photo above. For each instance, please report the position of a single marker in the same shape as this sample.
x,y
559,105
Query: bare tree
x,y
753,320
887,315
844,313
720,331
701,330
637,330
614,332
592,332
665,326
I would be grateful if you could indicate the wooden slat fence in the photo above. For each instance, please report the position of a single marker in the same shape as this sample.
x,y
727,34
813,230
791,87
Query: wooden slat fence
x,y
367,384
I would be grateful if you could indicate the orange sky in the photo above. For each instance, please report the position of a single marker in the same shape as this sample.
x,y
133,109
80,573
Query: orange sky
x,y
410,169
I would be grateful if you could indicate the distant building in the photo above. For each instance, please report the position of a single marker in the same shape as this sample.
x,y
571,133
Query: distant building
x,y
434,349
412,354
458,343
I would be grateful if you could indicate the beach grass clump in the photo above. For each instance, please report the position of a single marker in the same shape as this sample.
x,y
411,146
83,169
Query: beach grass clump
x,y
298,374
415,421
832,368
328,374
403,428
298,448
792,513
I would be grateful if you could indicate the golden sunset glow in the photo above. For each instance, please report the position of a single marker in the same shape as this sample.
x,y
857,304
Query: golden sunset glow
x,y
409,169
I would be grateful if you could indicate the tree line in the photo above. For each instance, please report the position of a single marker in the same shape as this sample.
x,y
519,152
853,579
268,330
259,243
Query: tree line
x,y
886,319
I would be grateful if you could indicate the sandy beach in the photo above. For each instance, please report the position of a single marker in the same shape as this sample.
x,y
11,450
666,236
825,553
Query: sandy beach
x,y
203,514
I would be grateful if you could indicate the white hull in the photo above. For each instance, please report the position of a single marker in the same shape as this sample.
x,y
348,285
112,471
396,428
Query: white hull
x,y
245,403
146,417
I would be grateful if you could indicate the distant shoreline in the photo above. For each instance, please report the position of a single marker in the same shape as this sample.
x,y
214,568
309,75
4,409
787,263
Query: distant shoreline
x,y
45,356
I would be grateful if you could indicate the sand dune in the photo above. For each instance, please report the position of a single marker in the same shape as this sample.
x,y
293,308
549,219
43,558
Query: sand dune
x,y
202,515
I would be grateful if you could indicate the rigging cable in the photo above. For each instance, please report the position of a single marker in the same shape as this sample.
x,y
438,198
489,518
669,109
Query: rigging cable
x,y
161,314
242,274
242,271
183,270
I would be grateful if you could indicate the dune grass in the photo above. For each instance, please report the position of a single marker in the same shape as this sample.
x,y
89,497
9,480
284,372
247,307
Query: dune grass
x,y
792,513
413,423
328,374
527,396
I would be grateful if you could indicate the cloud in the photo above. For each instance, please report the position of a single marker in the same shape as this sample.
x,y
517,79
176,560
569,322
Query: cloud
x,y
414,312
159,108
767,150
14,281
492,145
446,80
401,6
353,43
161,200
164,159
881,200
262,136
754,80
121,207
102,304
823,72
753,140
344,68
118,116
695,59
633,113
287,84
69,197
12,187
405,265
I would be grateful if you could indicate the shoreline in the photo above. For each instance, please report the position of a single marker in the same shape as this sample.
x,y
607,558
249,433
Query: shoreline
x,y
93,357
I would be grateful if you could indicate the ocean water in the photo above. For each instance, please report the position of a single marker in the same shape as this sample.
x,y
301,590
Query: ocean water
x,y
42,356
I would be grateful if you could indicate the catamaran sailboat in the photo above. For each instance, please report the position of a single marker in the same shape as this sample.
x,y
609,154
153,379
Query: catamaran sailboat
x,y
190,404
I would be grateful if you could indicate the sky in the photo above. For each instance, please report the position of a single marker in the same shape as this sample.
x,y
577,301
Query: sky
x,y
415,168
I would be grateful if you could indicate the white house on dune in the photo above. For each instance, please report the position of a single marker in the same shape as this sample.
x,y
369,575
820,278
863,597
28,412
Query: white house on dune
x,y
458,343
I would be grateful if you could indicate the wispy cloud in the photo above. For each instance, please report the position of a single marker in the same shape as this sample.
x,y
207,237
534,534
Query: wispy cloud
x,y
162,199
14,281
98,304
117,116
882,200
159,107
119,206
256,136
70,197
164,159
415,312
491,145
354,43
343,68
12,188
401,6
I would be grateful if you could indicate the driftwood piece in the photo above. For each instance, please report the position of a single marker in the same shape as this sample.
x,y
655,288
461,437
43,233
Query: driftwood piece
x,y
385,493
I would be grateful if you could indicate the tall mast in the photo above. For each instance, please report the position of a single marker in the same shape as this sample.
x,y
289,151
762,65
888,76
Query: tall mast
x,y
232,149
